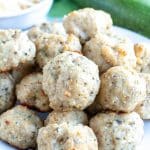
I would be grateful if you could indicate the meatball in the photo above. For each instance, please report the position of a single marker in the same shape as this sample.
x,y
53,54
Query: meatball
x,y
47,27
108,50
15,48
121,89
142,52
73,117
50,45
144,109
19,127
86,23
71,81
6,91
117,131
29,92
67,137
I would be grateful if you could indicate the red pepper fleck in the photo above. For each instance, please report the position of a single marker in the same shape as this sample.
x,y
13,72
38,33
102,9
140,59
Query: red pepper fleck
x,y
7,122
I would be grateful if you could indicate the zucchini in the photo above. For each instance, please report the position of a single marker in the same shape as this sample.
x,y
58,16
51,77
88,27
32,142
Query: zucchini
x,y
131,14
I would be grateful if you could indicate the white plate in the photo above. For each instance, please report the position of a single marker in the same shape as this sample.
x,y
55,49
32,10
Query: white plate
x,y
145,145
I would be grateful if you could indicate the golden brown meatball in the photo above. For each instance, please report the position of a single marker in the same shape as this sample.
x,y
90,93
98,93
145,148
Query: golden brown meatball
x,y
121,89
50,45
67,137
15,48
109,49
71,81
30,93
86,23
19,127
48,27
118,131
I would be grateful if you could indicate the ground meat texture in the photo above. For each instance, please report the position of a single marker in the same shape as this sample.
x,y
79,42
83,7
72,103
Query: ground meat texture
x,y
15,48
19,127
118,131
70,117
142,52
121,89
52,28
71,81
108,50
144,109
86,23
6,91
66,137
50,45
29,92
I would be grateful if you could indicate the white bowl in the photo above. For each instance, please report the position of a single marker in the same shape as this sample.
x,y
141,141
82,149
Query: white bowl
x,y
27,17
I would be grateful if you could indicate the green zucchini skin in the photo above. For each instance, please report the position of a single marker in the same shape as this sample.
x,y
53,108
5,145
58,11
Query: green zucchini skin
x,y
131,14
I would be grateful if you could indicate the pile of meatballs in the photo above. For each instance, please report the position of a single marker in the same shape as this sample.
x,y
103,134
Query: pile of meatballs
x,y
93,84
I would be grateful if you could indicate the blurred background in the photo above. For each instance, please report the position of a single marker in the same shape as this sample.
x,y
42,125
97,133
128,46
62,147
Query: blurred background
x,y
62,7
130,14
